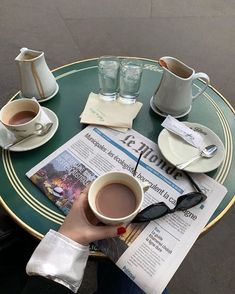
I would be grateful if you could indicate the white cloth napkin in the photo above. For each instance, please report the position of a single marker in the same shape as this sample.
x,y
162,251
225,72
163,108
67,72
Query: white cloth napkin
x,y
109,113
7,137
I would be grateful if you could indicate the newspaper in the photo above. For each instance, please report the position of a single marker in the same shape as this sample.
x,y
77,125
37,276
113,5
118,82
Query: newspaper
x,y
149,253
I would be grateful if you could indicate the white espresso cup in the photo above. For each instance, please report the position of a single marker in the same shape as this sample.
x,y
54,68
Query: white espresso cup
x,y
113,191
21,116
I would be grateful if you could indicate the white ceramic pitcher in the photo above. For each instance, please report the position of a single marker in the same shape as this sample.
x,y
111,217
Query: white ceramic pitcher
x,y
174,93
36,78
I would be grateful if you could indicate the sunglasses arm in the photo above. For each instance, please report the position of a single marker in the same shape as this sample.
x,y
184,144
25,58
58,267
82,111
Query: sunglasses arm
x,y
195,185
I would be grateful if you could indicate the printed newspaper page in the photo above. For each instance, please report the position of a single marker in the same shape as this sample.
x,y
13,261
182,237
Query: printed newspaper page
x,y
149,253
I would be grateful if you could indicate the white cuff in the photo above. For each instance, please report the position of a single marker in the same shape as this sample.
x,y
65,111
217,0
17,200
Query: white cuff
x,y
60,259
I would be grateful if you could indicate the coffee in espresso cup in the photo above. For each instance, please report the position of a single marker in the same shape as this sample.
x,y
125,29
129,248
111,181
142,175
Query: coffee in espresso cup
x,y
116,197
21,116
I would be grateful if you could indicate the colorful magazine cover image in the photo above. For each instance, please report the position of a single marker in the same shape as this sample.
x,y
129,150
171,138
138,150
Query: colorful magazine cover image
x,y
63,179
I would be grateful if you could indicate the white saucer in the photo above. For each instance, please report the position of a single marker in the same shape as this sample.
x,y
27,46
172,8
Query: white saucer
x,y
159,112
176,150
52,95
36,142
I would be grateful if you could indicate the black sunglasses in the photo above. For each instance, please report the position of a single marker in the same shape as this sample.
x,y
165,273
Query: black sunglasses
x,y
160,209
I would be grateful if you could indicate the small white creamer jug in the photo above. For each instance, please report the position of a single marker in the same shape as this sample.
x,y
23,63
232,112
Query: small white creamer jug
x,y
36,79
174,93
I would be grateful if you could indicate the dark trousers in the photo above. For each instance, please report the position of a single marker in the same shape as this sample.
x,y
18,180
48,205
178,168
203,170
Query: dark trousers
x,y
111,280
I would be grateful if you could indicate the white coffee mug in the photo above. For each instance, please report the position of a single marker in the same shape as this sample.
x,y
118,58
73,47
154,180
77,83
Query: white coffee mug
x,y
21,116
117,177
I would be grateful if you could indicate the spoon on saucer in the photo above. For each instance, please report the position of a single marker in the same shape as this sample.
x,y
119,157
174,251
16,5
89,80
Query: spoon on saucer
x,y
45,129
207,152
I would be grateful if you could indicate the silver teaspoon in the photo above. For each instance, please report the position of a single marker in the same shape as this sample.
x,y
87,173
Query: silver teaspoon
x,y
207,152
41,132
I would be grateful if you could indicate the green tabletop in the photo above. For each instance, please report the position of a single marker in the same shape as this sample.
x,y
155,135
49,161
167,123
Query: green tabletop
x,y
35,212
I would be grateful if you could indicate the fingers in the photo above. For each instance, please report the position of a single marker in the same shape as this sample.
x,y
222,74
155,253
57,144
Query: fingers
x,y
104,232
86,189
82,199
88,222
82,204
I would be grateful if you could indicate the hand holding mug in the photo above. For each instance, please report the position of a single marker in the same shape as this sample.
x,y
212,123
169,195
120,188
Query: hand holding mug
x,y
81,225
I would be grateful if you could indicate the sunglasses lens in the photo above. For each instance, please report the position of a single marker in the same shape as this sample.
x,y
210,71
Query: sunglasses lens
x,y
151,212
190,200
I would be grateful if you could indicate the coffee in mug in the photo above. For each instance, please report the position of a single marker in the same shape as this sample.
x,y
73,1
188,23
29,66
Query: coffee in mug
x,y
116,197
115,200
21,116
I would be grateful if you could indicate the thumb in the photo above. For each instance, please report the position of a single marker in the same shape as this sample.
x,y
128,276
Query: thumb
x,y
104,232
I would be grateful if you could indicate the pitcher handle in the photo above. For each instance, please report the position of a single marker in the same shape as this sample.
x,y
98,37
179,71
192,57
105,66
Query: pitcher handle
x,y
203,76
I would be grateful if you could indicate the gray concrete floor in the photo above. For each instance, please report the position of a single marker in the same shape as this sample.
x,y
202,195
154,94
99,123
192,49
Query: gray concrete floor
x,y
200,33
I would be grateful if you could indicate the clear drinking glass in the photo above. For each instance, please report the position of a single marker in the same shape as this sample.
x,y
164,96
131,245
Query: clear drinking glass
x,y
108,67
130,80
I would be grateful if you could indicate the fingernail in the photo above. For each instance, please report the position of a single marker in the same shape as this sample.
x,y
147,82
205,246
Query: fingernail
x,y
121,230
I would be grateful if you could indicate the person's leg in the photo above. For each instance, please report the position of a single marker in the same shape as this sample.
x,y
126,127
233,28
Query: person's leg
x,y
16,246
112,280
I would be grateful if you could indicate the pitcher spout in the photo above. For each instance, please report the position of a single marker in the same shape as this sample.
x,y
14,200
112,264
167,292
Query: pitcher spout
x,y
177,68
28,55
